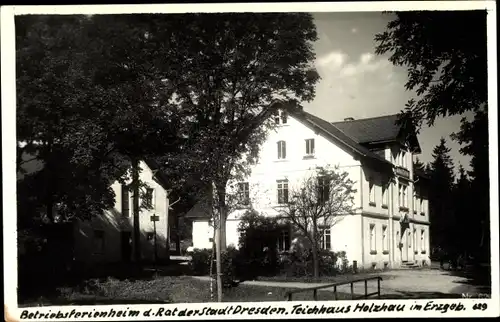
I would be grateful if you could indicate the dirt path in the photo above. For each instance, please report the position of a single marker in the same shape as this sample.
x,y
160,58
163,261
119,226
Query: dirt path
x,y
398,284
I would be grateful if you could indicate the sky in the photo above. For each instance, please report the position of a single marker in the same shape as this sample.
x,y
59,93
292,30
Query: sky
x,y
357,83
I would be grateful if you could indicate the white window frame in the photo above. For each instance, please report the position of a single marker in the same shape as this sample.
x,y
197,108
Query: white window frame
x,y
282,185
373,238
323,189
244,193
281,150
149,202
284,240
385,195
326,232
403,195
385,238
281,117
310,147
371,192
125,196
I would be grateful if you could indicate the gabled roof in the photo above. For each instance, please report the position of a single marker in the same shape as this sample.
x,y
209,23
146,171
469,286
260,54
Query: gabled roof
x,y
379,129
375,129
339,136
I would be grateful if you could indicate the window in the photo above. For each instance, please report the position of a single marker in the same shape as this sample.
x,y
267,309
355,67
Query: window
x,y
323,189
385,240
422,241
415,239
326,238
409,239
402,159
281,117
403,197
254,154
422,209
310,147
372,193
373,241
415,202
125,201
243,193
148,198
98,241
282,191
385,196
281,150
284,240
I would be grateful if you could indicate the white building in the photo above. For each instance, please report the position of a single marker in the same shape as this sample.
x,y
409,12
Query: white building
x,y
109,238
390,225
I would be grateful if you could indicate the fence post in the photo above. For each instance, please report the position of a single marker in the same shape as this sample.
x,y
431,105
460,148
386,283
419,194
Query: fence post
x,y
289,296
335,292
366,289
352,291
378,286
315,294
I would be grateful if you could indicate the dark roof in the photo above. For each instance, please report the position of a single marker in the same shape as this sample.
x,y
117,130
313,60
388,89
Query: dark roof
x,y
158,174
375,129
339,136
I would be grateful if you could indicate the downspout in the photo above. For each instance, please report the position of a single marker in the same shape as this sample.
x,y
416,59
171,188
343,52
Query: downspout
x,y
361,217
391,222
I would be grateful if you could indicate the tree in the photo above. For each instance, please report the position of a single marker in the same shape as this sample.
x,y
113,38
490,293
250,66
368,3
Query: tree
x,y
418,165
230,70
474,139
88,108
447,68
440,197
318,201
462,210
445,57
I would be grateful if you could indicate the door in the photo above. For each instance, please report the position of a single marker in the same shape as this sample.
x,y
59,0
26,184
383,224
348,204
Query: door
x,y
126,245
405,242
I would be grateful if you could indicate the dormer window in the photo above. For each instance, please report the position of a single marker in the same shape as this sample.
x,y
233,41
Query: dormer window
x,y
281,117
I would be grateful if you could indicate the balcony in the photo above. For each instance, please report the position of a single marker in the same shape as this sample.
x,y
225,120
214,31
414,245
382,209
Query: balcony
x,y
402,172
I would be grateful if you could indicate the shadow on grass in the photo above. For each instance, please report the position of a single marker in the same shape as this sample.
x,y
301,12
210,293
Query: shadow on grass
x,y
36,287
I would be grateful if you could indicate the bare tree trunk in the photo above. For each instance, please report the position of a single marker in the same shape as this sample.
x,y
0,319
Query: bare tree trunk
x,y
218,254
135,205
315,252
221,198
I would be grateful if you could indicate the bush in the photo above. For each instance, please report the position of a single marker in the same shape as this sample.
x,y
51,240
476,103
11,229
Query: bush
x,y
258,240
200,261
300,264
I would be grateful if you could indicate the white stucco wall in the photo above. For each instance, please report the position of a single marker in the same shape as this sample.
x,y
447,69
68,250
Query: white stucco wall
x,y
351,234
113,223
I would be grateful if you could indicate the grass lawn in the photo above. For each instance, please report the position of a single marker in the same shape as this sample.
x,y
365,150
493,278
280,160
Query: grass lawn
x,y
168,289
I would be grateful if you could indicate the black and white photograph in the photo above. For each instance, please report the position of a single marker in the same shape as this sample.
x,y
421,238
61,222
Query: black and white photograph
x,y
248,154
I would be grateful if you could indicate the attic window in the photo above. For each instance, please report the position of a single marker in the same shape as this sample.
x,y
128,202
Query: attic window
x,y
281,117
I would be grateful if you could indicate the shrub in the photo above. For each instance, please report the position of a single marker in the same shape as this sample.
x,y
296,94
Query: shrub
x,y
200,261
300,264
258,245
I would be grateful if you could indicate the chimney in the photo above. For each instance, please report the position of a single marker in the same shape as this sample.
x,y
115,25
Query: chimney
x,y
349,119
